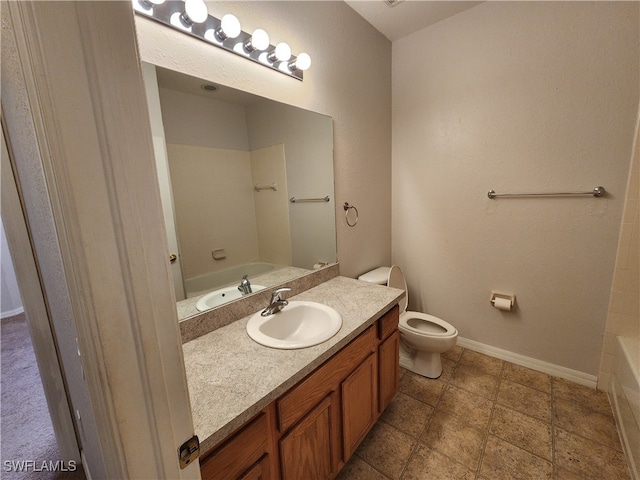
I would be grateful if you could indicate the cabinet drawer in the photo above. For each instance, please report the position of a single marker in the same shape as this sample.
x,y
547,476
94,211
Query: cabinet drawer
x,y
295,404
388,323
239,453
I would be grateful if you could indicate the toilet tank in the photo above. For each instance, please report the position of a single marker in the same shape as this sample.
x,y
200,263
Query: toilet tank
x,y
378,276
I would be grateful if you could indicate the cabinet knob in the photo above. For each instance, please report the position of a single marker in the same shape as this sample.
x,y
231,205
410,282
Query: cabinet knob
x,y
172,257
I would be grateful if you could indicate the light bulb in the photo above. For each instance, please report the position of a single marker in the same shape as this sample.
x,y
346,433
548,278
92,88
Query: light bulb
x,y
195,11
259,40
302,62
282,53
229,26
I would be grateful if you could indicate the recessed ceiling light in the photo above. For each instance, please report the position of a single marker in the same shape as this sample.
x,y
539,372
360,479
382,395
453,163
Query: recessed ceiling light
x,y
209,87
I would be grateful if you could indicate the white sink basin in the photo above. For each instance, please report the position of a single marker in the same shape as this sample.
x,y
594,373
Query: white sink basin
x,y
298,325
223,295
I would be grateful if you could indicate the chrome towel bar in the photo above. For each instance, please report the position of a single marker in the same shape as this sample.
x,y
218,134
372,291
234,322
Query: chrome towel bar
x,y
596,192
306,200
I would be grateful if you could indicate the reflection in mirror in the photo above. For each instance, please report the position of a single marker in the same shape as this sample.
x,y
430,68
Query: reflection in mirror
x,y
228,164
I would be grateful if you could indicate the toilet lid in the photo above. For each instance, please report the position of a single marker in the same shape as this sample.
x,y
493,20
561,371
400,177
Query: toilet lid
x,y
396,280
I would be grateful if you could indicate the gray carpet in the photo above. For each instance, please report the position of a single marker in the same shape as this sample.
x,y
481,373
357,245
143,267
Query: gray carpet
x,y
26,433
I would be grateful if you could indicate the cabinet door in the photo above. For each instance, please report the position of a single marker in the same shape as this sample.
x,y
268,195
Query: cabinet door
x,y
359,404
388,369
260,471
306,451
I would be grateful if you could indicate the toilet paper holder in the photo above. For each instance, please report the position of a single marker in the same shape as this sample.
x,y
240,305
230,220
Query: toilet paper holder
x,y
502,301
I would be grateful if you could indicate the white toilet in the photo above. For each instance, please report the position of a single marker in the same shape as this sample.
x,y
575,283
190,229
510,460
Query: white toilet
x,y
422,337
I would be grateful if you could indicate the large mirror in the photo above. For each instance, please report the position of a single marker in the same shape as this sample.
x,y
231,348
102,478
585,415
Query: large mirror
x,y
247,187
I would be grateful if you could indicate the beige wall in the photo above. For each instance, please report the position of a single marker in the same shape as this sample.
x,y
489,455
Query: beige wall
x,y
515,96
349,80
624,308
268,166
213,201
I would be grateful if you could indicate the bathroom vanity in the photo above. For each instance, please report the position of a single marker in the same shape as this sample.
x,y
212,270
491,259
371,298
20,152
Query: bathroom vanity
x,y
292,414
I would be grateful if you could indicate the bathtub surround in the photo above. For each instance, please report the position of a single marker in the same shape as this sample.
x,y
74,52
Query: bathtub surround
x,y
623,317
515,96
231,218
196,286
620,364
624,395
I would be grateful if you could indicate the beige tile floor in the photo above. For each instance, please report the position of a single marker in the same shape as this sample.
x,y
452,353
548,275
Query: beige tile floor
x,y
488,419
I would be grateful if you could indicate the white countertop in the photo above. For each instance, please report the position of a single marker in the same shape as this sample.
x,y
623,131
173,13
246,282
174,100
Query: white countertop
x,y
231,377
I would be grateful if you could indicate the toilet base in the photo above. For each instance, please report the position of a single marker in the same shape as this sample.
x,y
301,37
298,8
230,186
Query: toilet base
x,y
427,364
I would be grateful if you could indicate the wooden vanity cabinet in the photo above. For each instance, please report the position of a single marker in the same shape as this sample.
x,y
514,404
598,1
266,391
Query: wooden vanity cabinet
x,y
312,430
246,454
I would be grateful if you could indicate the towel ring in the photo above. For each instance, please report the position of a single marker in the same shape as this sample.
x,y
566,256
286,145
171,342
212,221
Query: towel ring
x,y
348,207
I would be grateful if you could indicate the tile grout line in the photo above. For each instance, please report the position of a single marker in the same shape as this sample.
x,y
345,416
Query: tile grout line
x,y
428,422
488,427
554,463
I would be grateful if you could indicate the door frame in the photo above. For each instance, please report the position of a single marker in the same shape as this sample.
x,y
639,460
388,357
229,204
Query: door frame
x,y
35,309
76,116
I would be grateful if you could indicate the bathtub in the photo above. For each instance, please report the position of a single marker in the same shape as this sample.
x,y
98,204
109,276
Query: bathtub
x,y
624,391
212,281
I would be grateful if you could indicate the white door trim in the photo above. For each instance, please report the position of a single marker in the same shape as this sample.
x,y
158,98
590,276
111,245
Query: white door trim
x,y
86,97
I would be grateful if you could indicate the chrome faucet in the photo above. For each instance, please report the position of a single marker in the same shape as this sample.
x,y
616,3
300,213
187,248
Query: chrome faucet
x,y
245,285
277,302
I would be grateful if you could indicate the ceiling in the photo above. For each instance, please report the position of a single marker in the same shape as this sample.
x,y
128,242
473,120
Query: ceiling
x,y
406,16
182,82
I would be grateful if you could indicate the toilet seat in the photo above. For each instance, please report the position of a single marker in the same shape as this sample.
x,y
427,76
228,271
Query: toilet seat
x,y
417,323
425,324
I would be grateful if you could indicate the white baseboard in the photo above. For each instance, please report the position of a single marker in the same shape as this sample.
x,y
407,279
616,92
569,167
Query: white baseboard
x,y
532,363
11,313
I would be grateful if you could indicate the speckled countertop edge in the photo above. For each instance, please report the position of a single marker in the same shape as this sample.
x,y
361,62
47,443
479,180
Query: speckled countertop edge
x,y
231,377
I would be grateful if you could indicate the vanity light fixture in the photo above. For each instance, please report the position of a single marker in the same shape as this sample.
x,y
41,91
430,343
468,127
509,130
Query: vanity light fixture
x,y
192,17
